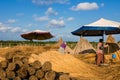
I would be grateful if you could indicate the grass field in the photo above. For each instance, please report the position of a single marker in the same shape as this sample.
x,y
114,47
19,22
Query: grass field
x,y
37,43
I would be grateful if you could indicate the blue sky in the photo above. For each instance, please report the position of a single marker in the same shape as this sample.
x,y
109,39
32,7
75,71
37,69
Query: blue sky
x,y
60,17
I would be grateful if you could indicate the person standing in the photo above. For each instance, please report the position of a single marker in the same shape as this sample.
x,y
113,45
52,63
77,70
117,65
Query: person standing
x,y
100,52
62,47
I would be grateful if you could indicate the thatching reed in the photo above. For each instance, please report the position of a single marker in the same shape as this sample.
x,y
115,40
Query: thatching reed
x,y
50,75
110,39
18,64
25,60
17,78
83,46
43,79
31,70
11,66
59,42
64,77
39,74
33,77
112,48
20,69
68,50
25,66
36,64
47,66
4,64
9,56
61,64
2,59
10,74
22,73
66,63
4,79
26,51
2,73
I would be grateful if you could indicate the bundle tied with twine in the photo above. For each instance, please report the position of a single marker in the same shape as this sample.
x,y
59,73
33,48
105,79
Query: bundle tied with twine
x,y
83,46
112,48
20,69
59,42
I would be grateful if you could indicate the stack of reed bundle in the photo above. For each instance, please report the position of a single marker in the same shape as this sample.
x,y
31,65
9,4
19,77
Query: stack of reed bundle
x,y
20,69
59,42
83,46
112,48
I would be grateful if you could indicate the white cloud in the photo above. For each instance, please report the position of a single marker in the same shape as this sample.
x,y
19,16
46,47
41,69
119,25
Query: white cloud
x,y
7,28
50,11
56,23
18,29
70,19
48,2
3,27
43,18
61,18
11,21
85,6
31,25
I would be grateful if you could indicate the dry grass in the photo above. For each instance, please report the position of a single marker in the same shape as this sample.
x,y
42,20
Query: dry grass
x,y
80,66
24,50
83,46
66,63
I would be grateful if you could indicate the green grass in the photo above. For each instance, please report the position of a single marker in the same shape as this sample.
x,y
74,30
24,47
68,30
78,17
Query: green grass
x,y
39,43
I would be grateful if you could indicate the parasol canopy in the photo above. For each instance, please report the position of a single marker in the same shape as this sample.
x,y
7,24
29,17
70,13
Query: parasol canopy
x,y
37,35
98,28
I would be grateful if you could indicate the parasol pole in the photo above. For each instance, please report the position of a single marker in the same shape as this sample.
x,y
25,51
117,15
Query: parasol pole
x,y
103,32
103,40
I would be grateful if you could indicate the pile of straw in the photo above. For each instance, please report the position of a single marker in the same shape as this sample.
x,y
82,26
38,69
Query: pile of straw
x,y
59,42
83,46
66,63
112,48
20,69
110,39
22,50
68,50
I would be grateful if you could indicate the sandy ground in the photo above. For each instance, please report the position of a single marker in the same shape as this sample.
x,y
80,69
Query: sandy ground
x,y
81,66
